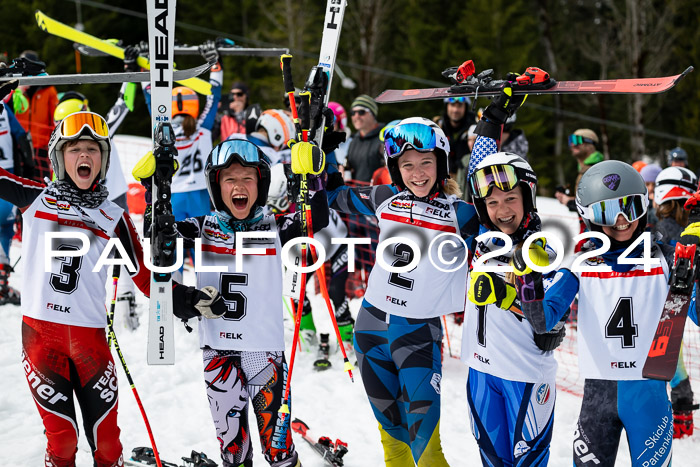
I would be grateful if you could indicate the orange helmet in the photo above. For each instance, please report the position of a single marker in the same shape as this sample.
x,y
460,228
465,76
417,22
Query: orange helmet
x,y
185,102
639,165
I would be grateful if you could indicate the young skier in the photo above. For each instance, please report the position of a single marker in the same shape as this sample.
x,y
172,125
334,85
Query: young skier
x,y
398,333
616,321
64,346
673,186
244,352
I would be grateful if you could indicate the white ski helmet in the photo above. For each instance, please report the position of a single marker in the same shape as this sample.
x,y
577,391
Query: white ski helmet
x,y
675,183
79,125
505,171
420,134
277,194
278,125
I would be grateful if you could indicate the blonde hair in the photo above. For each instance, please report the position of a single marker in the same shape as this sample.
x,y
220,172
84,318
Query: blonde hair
x,y
451,187
674,209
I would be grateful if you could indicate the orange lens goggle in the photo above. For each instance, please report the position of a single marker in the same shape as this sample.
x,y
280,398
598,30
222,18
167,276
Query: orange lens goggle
x,y
74,124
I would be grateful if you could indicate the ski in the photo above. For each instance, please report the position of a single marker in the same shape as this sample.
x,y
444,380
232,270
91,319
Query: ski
x,y
144,456
332,452
161,29
486,87
95,78
662,358
194,50
323,363
59,29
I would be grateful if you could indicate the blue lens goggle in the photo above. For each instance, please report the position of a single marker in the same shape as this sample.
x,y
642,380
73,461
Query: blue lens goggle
x,y
417,136
452,100
246,152
605,212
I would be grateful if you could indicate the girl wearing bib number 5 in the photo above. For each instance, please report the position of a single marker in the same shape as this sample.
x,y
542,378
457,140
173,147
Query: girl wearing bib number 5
x,y
398,332
511,383
619,306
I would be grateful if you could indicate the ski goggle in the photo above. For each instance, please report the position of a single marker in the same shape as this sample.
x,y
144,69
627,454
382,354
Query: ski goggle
x,y
417,136
605,212
575,140
452,100
243,151
73,125
501,176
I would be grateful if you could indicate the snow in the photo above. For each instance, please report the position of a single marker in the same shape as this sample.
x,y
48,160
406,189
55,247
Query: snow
x,y
177,407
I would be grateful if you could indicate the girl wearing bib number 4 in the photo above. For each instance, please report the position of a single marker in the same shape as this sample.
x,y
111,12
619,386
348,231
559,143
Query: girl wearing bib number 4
x,y
398,332
618,312
511,383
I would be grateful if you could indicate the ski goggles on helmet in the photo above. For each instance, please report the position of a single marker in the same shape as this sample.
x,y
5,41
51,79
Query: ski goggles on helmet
x,y
605,212
452,100
239,150
74,125
416,136
575,140
501,176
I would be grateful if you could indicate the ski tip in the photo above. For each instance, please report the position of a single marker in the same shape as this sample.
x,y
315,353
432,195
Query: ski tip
x,y
687,70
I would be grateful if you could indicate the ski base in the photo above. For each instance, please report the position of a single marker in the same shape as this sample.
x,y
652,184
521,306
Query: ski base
x,y
493,88
161,329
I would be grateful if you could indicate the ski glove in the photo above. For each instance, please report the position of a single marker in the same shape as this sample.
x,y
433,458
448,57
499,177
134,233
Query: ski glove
x,y
504,105
131,55
692,230
209,303
537,255
146,167
307,158
209,52
486,288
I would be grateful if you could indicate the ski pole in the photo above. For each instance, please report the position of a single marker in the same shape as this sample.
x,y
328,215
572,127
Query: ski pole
x,y
291,313
113,337
447,334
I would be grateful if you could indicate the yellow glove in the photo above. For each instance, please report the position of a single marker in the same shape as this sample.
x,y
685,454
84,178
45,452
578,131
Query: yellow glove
x,y
538,255
146,167
692,229
307,158
486,288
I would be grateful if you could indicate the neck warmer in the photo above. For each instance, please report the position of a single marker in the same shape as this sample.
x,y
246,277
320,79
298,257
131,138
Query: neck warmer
x,y
67,191
230,225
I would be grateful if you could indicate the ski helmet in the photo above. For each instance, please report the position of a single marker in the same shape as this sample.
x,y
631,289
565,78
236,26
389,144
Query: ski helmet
x,y
420,134
79,125
277,194
608,189
340,115
388,127
70,102
676,154
675,183
185,102
245,153
505,171
278,125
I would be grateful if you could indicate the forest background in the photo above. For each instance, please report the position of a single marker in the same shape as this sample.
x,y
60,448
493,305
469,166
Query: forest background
x,y
405,44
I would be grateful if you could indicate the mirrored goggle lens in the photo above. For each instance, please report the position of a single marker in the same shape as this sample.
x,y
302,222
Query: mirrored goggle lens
x,y
502,177
606,212
452,100
73,124
575,140
246,150
414,135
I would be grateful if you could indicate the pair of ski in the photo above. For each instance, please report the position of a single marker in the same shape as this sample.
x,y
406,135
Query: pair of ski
x,y
331,451
144,456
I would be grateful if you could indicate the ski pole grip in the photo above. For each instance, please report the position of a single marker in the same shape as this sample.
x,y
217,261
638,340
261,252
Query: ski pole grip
x,y
286,65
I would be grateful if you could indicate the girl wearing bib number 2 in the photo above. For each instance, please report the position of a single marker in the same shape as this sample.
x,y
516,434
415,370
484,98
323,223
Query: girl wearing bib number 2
x,y
398,332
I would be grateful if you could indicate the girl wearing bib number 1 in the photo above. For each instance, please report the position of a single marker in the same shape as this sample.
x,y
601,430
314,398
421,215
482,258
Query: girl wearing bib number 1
x,y
621,297
398,332
512,374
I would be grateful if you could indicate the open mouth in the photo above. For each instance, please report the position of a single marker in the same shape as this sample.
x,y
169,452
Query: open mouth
x,y
621,227
506,220
420,183
84,171
240,201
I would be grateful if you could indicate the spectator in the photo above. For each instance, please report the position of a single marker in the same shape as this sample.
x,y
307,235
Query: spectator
x,y
233,118
455,122
514,139
677,157
38,120
364,151
582,144
649,174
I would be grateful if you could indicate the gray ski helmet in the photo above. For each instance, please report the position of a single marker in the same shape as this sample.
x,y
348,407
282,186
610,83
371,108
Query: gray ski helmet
x,y
676,154
608,180
527,180
420,134
245,153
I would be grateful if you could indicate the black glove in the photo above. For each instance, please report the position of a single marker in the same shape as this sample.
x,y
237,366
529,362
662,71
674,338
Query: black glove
x,y
209,303
331,139
209,52
498,111
548,341
131,55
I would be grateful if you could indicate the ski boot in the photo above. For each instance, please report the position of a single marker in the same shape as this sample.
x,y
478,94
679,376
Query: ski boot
x,y
346,326
7,293
126,307
307,328
683,407
323,363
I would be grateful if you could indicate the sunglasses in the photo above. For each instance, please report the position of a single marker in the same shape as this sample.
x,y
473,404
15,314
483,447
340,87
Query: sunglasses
x,y
237,94
359,112
575,140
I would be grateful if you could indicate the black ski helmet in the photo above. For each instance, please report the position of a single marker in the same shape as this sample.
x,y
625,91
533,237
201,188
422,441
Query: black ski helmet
x,y
420,134
502,162
245,153
611,180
